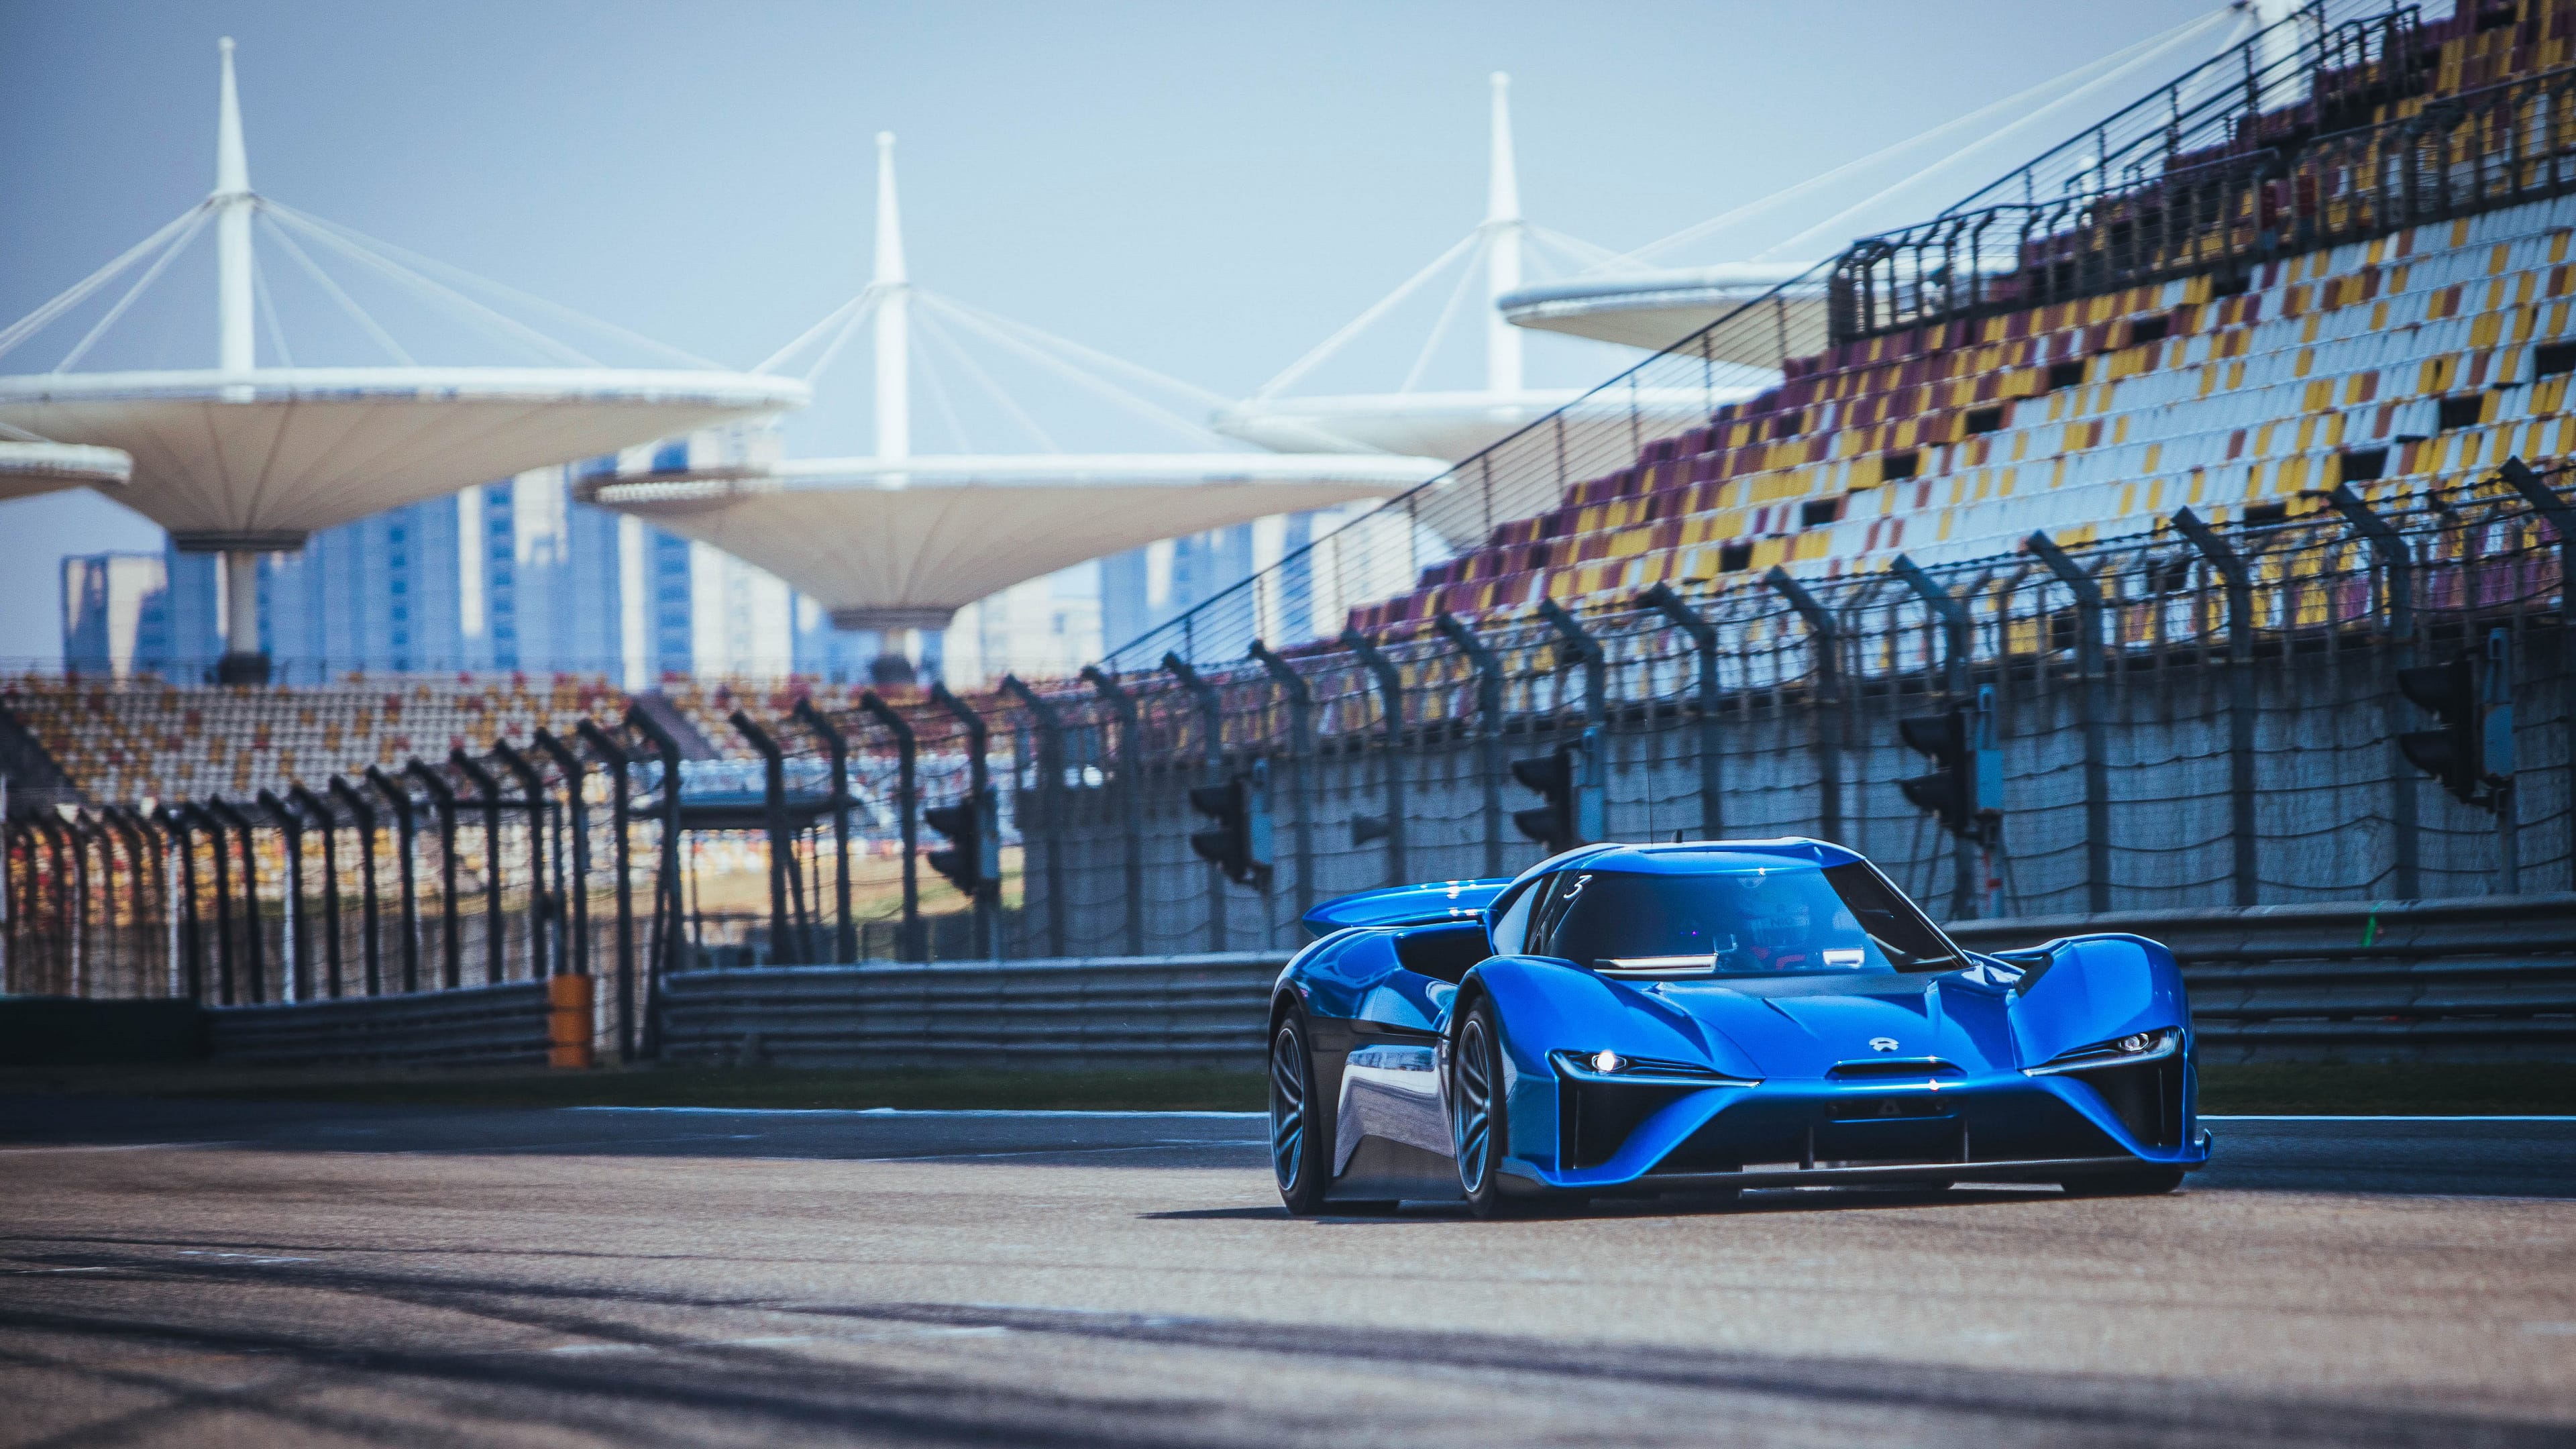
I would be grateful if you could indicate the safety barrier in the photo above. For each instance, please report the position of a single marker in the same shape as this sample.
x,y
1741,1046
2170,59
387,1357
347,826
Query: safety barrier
x,y
1136,1012
2488,978
2427,980
484,1026
2449,980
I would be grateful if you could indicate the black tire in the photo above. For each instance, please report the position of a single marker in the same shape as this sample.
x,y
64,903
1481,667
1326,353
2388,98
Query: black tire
x,y
1301,1120
2137,1182
1479,1126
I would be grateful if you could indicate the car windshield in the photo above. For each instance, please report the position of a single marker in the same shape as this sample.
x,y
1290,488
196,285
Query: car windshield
x,y
1755,921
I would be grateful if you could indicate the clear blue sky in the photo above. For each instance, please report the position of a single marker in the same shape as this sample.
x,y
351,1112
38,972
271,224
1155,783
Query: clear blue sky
x,y
1204,189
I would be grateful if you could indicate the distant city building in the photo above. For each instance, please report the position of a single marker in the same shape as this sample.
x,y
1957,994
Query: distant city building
x,y
520,575
116,608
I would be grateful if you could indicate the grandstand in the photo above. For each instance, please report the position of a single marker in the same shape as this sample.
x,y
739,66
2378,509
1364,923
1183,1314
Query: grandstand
x,y
2350,268
1947,420
124,743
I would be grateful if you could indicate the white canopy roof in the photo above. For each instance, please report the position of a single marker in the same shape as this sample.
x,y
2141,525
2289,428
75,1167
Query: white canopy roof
x,y
261,458
33,467
906,542
1655,310
1452,425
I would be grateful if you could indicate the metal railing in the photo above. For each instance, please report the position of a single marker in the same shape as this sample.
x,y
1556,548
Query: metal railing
x,y
2457,156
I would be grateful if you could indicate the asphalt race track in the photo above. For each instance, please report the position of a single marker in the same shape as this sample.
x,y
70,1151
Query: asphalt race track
x,y
253,1274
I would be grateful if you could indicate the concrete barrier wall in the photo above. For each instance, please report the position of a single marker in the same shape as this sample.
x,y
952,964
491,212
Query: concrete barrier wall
x,y
2461,980
2482,978
480,1026
2477,979
1136,1014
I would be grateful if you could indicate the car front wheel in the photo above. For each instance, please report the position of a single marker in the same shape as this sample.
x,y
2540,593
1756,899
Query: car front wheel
x,y
1479,1123
1299,1122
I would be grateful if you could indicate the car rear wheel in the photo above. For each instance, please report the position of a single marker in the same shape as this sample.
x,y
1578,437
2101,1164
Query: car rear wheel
x,y
2138,1182
1300,1125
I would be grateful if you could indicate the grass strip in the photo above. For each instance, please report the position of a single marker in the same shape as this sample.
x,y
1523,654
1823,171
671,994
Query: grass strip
x,y
2394,1089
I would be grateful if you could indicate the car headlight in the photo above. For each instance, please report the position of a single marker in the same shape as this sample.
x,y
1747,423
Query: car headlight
x,y
1610,1066
2137,1046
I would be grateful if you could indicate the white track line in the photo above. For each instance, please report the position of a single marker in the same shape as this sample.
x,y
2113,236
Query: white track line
x,y
934,1112
2320,1117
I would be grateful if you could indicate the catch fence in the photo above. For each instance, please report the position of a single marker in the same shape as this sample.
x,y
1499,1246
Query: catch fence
x,y
2191,717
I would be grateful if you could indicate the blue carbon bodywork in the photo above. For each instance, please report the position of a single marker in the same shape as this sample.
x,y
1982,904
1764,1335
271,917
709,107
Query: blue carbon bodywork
x,y
1439,900
1811,1077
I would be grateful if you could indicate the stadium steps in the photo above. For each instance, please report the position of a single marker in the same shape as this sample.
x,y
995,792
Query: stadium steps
x,y
659,708
36,781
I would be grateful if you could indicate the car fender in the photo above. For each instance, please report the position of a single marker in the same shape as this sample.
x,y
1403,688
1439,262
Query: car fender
x,y
1547,1005
2088,989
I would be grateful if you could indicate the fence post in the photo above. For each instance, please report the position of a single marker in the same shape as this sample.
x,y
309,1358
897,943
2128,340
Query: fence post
x,y
576,957
222,892
2388,546
837,746
773,799
1826,636
908,818
328,826
1131,800
406,849
254,949
442,799
49,828
1703,637
621,856
1301,748
532,788
2088,664
1955,647
2562,521
1489,729
365,816
87,833
291,829
1573,639
979,785
2238,581
666,890
9,911
192,944
487,794
1050,773
76,893
148,884
1390,690
1212,724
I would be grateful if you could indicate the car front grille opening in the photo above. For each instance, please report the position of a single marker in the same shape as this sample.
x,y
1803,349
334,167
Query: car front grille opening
x,y
2147,1097
1595,1119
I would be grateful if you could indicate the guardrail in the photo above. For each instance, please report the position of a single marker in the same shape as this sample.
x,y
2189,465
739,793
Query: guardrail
x,y
2486,978
1127,1012
482,1026
2482,978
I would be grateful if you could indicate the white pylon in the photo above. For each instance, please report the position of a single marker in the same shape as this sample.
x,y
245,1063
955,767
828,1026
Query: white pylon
x,y
894,333
232,198
1503,227
235,340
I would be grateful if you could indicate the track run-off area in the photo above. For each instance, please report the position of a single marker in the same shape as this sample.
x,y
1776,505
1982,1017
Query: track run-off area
x,y
218,1273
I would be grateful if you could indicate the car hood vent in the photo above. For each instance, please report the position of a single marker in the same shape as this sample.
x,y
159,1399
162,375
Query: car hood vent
x,y
1913,1067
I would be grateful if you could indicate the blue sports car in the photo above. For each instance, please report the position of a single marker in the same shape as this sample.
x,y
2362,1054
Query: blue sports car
x,y
1705,1017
